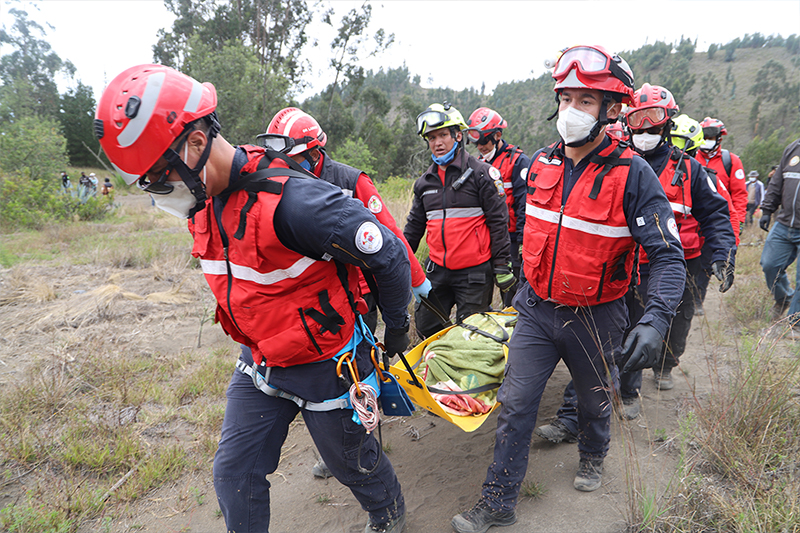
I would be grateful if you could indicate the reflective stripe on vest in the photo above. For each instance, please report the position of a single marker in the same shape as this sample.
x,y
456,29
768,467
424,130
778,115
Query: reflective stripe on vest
x,y
218,268
602,230
455,212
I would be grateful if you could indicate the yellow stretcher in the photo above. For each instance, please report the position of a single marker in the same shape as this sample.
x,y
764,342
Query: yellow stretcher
x,y
420,394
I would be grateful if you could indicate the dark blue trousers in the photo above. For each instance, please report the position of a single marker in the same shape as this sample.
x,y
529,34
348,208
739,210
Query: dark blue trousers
x,y
253,432
588,340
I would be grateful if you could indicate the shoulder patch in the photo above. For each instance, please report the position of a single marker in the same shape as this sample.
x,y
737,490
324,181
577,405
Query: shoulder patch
x,y
369,238
497,178
494,173
374,204
673,228
524,173
793,161
739,174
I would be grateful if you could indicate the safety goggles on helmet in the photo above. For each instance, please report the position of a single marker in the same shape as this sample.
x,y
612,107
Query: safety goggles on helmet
x,y
479,137
711,132
159,186
281,143
654,116
591,62
430,120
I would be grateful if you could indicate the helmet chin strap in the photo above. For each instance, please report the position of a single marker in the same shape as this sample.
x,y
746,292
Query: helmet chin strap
x,y
602,120
191,177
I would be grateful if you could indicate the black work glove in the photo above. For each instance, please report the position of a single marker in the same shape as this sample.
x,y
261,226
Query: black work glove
x,y
724,272
764,222
395,341
642,348
504,278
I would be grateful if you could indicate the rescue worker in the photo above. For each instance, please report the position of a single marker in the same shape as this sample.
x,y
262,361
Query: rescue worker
x,y
702,213
486,131
685,134
589,202
730,171
298,135
278,250
460,202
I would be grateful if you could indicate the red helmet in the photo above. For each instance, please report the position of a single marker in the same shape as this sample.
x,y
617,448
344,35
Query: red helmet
x,y
482,123
143,110
293,131
713,128
617,131
652,105
592,67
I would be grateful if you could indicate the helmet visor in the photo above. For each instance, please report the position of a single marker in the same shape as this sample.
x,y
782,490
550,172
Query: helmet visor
x,y
711,132
278,143
430,120
639,119
588,60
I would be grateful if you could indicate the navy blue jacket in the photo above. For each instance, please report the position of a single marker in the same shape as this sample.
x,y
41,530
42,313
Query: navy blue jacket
x,y
643,199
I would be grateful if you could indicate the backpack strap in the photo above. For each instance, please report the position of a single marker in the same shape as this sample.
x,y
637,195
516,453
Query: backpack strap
x,y
727,164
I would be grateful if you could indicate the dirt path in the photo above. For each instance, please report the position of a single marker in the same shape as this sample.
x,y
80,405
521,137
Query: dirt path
x,y
440,467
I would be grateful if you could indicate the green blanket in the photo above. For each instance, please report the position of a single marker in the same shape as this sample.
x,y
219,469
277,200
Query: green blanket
x,y
467,358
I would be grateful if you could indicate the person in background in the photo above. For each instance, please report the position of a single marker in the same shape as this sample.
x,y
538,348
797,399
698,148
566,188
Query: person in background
x,y
108,187
460,202
486,131
755,194
783,241
280,252
590,202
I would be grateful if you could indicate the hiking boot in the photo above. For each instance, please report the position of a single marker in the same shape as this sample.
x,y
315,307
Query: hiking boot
x,y
394,525
321,470
631,407
556,432
589,476
776,313
482,517
698,310
663,378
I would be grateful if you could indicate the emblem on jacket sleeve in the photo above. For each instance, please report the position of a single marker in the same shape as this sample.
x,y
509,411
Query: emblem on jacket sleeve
x,y
374,204
369,238
739,174
498,180
673,228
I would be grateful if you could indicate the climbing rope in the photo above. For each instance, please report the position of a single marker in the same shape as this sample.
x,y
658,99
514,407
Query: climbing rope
x,y
364,399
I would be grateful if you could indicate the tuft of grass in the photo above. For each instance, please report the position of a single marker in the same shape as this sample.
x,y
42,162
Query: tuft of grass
x,y
323,499
532,489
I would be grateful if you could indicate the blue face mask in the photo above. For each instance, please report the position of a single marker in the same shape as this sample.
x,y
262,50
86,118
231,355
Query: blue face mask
x,y
305,164
446,158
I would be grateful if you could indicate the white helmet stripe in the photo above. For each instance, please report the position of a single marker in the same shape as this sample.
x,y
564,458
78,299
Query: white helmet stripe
x,y
289,123
137,124
193,102
130,179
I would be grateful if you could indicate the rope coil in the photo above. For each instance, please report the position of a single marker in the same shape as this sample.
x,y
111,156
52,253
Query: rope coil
x,y
364,399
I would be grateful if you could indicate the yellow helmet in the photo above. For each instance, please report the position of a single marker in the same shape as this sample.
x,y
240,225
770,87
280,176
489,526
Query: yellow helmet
x,y
686,133
439,116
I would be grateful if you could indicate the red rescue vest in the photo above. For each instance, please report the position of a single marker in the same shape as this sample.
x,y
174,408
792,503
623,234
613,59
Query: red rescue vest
x,y
680,200
288,308
505,164
582,253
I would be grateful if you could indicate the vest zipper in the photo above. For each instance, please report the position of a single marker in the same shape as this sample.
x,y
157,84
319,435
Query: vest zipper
x,y
555,251
224,238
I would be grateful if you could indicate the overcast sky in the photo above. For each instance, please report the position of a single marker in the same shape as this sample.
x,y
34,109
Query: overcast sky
x,y
453,43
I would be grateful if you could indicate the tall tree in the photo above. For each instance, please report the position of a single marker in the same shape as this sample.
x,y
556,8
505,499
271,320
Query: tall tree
x,y
349,47
77,114
274,29
33,62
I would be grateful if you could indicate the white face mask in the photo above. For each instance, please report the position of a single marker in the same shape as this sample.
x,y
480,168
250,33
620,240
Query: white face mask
x,y
177,203
708,145
645,142
574,125
488,156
